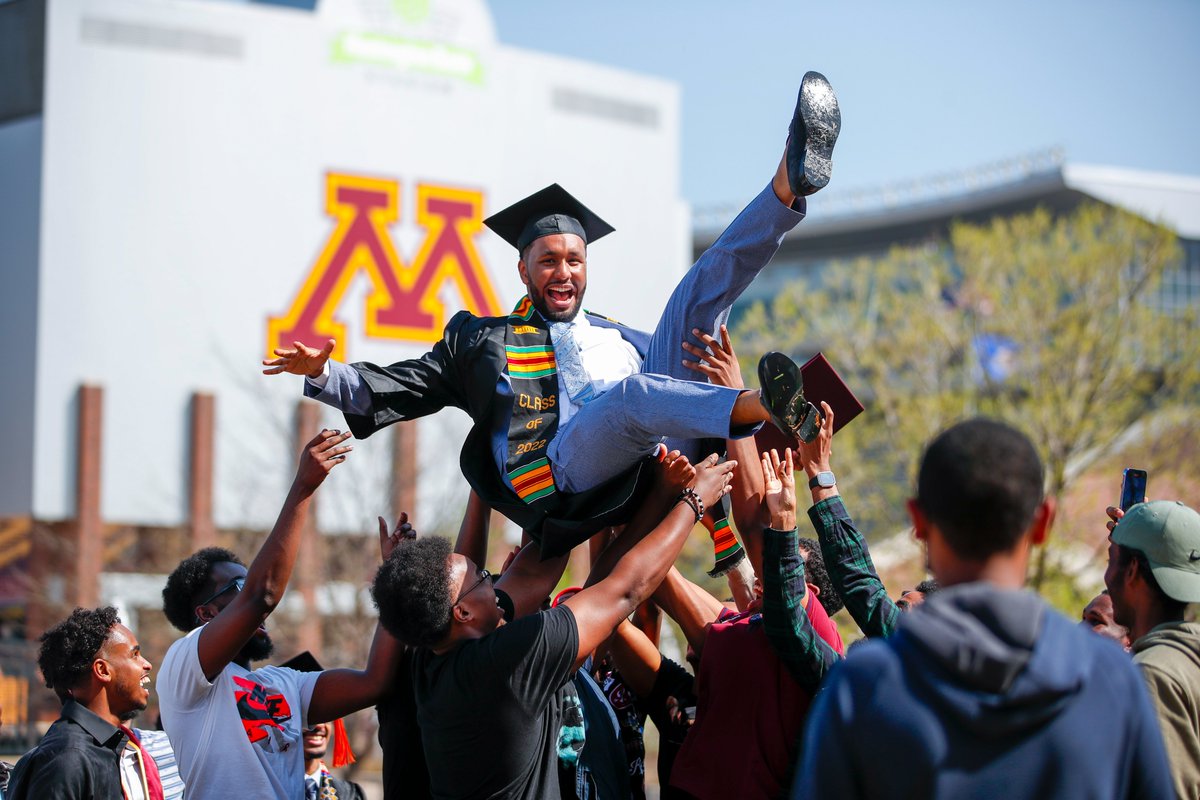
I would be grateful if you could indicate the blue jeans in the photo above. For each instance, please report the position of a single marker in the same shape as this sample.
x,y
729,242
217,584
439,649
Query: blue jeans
x,y
663,402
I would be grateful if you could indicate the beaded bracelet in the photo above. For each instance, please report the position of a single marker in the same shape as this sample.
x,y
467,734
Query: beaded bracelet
x,y
694,502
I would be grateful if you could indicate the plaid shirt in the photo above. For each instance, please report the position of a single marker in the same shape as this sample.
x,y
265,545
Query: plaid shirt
x,y
851,570
805,654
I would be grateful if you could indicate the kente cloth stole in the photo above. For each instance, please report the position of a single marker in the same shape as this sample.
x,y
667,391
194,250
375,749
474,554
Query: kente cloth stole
x,y
727,550
534,377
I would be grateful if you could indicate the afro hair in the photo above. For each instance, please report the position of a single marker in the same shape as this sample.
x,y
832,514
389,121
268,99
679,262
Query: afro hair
x,y
187,581
818,576
412,591
69,648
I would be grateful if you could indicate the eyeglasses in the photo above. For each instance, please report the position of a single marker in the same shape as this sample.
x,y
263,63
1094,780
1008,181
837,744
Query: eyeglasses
x,y
484,575
236,583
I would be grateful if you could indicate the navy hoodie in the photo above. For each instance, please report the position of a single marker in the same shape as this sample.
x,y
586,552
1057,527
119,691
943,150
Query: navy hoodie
x,y
984,693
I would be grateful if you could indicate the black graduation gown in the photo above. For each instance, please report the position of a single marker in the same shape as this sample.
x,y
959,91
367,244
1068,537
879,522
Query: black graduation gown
x,y
462,371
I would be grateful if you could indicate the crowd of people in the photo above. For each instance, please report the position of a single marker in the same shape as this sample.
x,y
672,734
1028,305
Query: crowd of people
x,y
586,431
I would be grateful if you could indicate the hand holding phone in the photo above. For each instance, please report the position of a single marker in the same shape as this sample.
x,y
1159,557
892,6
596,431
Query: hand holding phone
x,y
1133,488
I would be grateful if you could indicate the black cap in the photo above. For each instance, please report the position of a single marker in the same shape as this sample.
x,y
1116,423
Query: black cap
x,y
552,210
304,662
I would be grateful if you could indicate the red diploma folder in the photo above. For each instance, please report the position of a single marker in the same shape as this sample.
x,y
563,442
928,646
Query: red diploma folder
x,y
821,382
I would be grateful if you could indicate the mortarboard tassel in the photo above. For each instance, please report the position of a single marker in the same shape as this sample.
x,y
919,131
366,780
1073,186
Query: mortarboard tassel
x,y
342,754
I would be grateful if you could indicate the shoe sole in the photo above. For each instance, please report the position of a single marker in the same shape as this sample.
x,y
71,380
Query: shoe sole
x,y
769,378
820,122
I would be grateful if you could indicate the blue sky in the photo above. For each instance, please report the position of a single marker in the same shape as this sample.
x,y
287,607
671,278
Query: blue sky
x,y
926,86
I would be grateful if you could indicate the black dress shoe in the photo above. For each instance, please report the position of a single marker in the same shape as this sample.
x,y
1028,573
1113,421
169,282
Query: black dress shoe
x,y
783,396
812,135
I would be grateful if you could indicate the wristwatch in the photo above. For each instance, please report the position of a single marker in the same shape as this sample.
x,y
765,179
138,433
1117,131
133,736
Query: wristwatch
x,y
823,479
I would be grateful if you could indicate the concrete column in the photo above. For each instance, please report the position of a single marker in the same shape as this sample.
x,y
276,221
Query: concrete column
x,y
309,573
404,470
202,531
88,533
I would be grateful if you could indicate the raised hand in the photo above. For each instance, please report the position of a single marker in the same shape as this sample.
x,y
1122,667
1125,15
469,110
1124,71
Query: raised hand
x,y
320,455
1114,516
388,541
675,473
299,359
713,479
814,456
510,558
779,478
718,363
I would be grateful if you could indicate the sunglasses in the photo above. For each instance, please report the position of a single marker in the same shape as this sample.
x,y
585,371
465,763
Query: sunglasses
x,y
236,583
484,575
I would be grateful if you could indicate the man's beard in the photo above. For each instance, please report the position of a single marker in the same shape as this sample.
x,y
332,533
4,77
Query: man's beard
x,y
130,714
258,648
539,303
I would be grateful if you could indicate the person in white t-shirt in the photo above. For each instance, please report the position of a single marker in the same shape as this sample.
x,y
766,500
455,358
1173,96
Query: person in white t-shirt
x,y
237,732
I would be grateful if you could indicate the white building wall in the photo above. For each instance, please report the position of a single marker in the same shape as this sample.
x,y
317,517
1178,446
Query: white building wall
x,y
186,154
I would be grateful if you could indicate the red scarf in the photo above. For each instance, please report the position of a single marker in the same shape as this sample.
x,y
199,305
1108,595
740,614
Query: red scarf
x,y
153,781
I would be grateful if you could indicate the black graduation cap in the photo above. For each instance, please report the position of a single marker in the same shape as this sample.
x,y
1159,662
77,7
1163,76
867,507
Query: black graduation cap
x,y
549,211
305,662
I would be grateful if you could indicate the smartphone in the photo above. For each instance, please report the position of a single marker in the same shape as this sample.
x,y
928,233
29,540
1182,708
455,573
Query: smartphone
x,y
1133,488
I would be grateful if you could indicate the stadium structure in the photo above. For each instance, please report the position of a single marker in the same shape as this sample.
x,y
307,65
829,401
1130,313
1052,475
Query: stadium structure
x,y
846,225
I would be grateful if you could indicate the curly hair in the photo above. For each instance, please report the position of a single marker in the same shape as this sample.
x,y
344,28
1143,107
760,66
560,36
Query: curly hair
x,y
412,591
818,576
928,587
68,649
187,581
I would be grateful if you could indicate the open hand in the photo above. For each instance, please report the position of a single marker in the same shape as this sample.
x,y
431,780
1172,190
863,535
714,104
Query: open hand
x,y
713,480
299,359
718,363
814,456
389,541
779,478
320,455
675,473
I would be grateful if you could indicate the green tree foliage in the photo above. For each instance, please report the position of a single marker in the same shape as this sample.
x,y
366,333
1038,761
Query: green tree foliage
x,y
1052,323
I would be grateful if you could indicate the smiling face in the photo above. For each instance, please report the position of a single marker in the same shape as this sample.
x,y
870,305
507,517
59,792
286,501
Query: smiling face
x,y
554,271
129,686
316,741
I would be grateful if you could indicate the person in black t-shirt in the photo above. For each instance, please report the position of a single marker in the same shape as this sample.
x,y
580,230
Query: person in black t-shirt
x,y
489,695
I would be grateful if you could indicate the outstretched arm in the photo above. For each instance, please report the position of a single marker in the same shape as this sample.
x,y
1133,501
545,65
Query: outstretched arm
x,y
339,692
472,539
692,608
227,632
372,396
842,546
806,655
612,596
636,658
530,579
718,362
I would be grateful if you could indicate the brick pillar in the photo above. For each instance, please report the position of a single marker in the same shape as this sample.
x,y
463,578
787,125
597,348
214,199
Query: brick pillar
x,y
200,473
309,573
404,470
88,533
